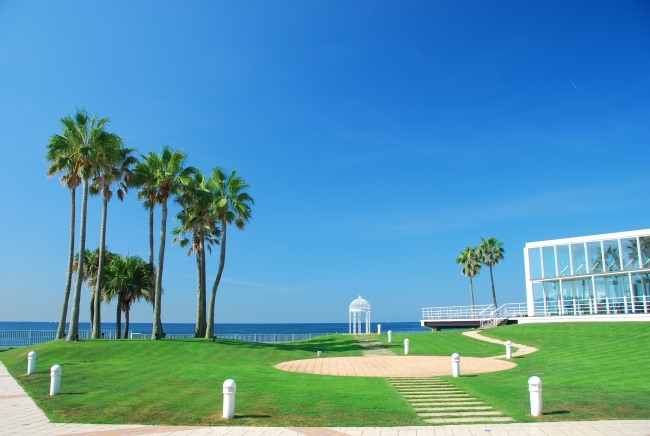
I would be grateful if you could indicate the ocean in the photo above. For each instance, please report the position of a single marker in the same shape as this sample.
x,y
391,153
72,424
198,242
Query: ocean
x,y
242,328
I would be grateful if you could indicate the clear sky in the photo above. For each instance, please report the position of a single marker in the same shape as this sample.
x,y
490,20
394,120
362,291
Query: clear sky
x,y
380,138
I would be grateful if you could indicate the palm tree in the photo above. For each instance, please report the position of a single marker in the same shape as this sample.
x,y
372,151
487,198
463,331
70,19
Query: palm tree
x,y
63,158
471,262
113,166
89,274
197,227
231,204
168,177
491,252
89,137
143,177
127,281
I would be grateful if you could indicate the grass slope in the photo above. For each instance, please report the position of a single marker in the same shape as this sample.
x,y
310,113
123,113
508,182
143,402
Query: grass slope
x,y
178,382
443,343
589,371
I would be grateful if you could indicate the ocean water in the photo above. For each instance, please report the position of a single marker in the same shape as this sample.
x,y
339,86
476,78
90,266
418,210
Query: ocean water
x,y
243,328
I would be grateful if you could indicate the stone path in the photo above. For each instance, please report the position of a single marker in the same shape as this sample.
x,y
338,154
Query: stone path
x,y
441,402
372,347
393,366
19,415
522,350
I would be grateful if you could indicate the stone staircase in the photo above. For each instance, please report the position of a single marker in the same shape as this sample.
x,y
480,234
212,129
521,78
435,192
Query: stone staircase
x,y
439,402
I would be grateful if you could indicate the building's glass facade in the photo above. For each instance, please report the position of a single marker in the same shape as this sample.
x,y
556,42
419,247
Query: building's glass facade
x,y
593,275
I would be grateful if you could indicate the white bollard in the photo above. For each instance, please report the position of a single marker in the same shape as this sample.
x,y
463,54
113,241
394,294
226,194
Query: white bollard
x,y
508,350
390,336
31,362
378,329
319,354
455,365
406,346
535,388
55,380
229,390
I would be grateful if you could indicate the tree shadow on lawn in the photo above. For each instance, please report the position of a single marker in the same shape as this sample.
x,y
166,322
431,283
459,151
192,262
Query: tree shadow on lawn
x,y
556,412
324,345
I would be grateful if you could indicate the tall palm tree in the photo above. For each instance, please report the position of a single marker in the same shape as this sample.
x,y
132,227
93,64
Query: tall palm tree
x,y
143,177
231,204
63,158
113,166
471,263
89,137
198,231
491,252
127,281
168,177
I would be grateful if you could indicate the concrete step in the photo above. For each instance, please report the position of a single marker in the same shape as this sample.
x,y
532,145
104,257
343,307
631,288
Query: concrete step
x,y
447,403
461,414
429,391
456,408
423,396
467,419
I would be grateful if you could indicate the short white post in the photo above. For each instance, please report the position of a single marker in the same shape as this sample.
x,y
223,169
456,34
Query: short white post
x,y
455,365
535,388
378,329
319,354
508,350
229,390
406,346
55,380
390,336
31,362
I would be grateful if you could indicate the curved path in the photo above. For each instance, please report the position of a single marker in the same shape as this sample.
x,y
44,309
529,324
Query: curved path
x,y
522,350
393,366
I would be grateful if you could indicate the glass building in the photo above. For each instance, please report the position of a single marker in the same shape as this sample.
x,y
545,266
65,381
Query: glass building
x,y
592,275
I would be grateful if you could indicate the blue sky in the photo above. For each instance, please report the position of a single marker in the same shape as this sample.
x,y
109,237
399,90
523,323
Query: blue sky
x,y
380,138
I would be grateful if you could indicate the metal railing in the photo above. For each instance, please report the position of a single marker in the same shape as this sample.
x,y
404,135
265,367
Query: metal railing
x,y
22,338
593,306
457,312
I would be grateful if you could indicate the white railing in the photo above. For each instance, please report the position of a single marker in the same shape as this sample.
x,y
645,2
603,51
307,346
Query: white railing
x,y
593,306
456,312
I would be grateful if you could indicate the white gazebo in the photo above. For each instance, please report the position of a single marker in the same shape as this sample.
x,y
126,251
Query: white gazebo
x,y
357,307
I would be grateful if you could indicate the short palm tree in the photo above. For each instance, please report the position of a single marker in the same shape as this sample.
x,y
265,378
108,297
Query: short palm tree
x,y
168,177
63,158
89,274
113,166
127,281
198,231
491,252
471,263
231,205
89,136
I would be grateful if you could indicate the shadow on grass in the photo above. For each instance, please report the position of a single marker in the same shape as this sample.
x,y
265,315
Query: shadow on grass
x,y
333,344
557,412
252,416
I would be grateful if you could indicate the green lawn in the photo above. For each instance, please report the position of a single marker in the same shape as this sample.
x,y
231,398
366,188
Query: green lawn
x,y
444,343
180,382
589,370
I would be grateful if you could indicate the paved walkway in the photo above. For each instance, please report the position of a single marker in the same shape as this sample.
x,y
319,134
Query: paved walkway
x,y
522,350
393,366
19,415
372,347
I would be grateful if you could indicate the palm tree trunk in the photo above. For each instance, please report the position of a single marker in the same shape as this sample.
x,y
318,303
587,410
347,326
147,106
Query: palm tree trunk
x,y
471,294
97,319
151,259
209,331
92,309
127,309
151,236
73,332
68,282
199,275
494,295
118,320
204,298
157,330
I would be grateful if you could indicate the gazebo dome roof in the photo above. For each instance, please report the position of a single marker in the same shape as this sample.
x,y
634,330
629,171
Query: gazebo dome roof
x,y
359,305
